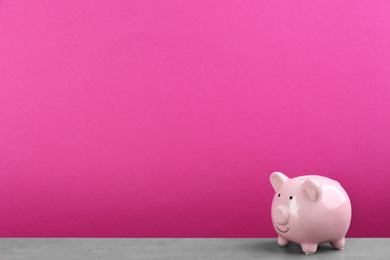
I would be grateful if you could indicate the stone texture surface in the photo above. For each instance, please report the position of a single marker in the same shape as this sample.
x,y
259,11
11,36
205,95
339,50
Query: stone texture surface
x,y
183,248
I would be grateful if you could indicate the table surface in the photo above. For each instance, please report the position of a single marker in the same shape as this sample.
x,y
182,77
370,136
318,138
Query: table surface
x,y
183,248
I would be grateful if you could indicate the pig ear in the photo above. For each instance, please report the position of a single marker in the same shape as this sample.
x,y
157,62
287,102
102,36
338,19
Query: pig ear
x,y
277,178
312,189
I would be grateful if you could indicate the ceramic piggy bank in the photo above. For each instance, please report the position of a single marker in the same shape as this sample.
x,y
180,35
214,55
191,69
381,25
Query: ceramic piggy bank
x,y
309,210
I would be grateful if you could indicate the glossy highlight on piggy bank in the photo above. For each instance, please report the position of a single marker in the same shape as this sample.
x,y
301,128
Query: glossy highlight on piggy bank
x,y
310,210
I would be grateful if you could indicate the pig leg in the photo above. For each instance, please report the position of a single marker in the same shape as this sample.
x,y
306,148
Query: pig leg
x,y
339,244
309,248
283,242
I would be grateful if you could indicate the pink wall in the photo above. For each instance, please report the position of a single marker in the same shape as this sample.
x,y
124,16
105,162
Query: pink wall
x,y
166,118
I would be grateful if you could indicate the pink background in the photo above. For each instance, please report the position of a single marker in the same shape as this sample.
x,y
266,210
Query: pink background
x,y
166,118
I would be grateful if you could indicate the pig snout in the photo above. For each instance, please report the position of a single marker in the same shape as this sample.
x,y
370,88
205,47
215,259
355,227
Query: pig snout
x,y
281,215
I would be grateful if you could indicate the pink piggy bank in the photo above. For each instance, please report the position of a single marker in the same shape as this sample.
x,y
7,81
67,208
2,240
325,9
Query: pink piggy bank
x,y
309,210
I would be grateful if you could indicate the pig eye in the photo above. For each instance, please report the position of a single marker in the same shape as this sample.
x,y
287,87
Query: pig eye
x,y
279,195
291,197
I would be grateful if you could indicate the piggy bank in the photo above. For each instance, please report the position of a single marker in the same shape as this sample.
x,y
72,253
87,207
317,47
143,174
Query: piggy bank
x,y
309,210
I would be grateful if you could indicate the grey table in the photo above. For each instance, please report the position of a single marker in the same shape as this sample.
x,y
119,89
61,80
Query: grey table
x,y
183,248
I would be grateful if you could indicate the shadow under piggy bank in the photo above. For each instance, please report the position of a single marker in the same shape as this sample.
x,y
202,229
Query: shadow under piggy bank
x,y
271,248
